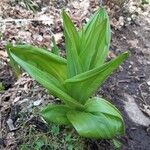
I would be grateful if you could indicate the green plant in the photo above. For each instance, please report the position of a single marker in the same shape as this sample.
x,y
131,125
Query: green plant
x,y
57,137
75,79
28,4
145,2
117,144
1,87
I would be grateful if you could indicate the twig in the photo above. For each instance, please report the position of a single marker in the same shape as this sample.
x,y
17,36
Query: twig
x,y
141,99
22,20
16,91
124,81
140,92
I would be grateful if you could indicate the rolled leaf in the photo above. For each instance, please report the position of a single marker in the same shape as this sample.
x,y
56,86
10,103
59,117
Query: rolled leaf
x,y
92,79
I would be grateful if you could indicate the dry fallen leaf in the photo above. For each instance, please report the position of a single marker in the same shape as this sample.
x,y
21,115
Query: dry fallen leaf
x,y
3,54
146,110
111,55
10,139
133,43
58,37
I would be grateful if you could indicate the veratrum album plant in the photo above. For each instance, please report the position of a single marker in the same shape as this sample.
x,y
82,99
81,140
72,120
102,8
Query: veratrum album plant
x,y
75,80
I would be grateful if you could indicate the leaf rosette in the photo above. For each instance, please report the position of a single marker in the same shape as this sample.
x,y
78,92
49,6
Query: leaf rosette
x,y
75,79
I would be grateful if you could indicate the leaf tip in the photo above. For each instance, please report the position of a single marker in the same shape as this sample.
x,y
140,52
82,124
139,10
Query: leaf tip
x,y
127,53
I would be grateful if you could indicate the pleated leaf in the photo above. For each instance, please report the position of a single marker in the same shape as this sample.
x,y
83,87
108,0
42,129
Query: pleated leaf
x,y
46,68
56,114
96,47
42,59
99,105
82,86
97,18
97,123
95,38
72,46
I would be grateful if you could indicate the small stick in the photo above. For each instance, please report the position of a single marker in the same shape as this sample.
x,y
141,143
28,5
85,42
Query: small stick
x,y
22,20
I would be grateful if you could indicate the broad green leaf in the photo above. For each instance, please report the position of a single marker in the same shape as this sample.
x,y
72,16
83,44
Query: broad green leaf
x,y
102,126
42,59
72,46
97,18
95,37
102,46
56,114
55,48
12,62
100,119
33,63
82,86
96,47
98,105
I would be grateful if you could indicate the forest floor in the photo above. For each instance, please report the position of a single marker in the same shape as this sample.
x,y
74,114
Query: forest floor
x,y
21,99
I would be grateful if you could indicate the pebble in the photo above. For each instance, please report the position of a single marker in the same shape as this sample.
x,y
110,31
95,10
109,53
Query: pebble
x,y
148,82
37,103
